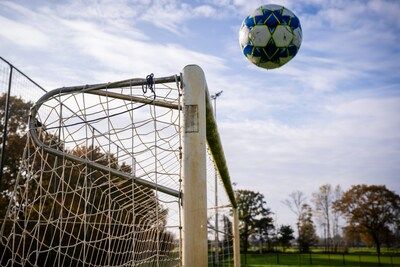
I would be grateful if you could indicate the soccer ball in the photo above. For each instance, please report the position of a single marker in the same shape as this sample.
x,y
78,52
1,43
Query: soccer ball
x,y
270,36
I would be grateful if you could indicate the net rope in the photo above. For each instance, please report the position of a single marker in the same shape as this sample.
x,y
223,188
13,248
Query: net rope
x,y
220,219
65,213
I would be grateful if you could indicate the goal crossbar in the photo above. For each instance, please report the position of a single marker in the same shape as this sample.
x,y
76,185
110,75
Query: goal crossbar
x,y
215,145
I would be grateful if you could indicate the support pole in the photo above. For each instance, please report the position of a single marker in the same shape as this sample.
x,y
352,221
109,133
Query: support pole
x,y
194,169
5,129
214,97
236,239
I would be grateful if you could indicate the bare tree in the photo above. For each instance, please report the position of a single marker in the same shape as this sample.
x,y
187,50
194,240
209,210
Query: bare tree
x,y
323,200
295,203
337,194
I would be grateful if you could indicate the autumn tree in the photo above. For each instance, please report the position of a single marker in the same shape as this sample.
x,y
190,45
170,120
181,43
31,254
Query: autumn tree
x,y
285,235
307,234
16,138
15,144
251,208
351,236
371,209
18,114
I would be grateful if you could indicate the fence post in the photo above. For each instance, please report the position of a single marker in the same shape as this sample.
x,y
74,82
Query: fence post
x,y
194,199
6,117
310,259
329,258
344,262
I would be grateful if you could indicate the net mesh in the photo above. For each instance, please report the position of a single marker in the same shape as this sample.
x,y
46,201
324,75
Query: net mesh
x,y
220,227
68,213
62,213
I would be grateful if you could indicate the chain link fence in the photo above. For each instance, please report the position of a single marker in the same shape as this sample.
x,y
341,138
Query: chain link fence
x,y
17,93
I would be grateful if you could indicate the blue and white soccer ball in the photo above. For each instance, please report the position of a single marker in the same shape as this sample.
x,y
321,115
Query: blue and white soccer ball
x,y
270,36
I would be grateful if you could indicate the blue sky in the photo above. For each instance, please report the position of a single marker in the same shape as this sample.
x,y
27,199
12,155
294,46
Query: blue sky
x,y
331,115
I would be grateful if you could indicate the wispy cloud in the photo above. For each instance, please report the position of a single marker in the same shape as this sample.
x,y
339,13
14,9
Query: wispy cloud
x,y
350,141
112,52
21,33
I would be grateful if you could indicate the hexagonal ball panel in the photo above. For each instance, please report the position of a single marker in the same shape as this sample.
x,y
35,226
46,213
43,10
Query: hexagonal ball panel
x,y
259,35
282,36
297,37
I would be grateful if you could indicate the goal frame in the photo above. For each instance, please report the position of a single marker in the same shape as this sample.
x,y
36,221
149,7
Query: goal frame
x,y
199,129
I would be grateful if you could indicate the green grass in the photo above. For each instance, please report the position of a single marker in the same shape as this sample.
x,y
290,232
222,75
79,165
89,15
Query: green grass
x,y
281,259
355,250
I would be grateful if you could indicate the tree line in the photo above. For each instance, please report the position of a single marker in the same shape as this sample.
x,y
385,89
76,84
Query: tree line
x,y
363,215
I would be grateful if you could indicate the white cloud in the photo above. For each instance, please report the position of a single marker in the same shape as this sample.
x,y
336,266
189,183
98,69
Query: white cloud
x,y
98,48
343,126
353,141
128,55
204,11
21,33
355,116
167,14
171,15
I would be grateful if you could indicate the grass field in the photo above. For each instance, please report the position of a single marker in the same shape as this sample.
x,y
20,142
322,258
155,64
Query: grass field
x,y
282,259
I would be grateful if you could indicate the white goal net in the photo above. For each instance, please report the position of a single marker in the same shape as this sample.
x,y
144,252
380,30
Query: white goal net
x,y
101,182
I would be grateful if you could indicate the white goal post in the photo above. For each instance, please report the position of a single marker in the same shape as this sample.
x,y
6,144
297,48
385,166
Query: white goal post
x,y
121,174
200,126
